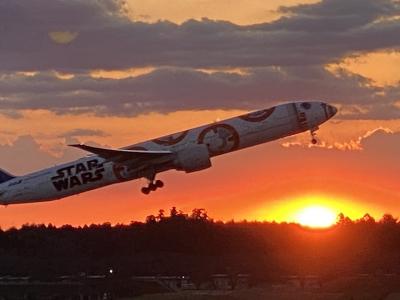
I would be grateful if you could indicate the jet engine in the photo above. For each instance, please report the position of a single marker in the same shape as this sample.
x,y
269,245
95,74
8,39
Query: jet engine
x,y
193,159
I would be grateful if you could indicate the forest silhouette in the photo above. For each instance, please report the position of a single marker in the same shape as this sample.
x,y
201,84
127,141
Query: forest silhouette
x,y
195,245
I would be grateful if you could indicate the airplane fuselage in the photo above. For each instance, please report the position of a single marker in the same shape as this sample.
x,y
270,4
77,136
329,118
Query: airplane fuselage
x,y
191,151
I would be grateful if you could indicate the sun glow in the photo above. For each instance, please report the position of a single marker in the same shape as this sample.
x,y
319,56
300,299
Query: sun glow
x,y
312,210
316,217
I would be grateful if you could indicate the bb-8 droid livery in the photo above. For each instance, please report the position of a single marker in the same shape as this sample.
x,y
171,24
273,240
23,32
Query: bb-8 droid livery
x,y
189,151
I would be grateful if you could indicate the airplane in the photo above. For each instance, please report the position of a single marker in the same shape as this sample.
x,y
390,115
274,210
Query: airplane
x,y
189,151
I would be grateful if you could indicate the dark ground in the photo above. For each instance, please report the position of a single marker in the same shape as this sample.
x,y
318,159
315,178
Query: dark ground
x,y
194,245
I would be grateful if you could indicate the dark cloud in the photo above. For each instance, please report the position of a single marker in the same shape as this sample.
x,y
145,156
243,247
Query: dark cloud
x,y
335,15
170,89
284,59
312,34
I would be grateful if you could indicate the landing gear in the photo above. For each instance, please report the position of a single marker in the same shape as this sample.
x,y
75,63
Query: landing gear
x,y
314,141
153,186
159,184
146,190
313,133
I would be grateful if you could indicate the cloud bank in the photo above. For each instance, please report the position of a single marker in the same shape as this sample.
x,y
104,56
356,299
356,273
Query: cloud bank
x,y
282,60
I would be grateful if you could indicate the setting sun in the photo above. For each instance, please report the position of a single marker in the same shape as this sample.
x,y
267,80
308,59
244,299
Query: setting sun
x,y
316,210
316,216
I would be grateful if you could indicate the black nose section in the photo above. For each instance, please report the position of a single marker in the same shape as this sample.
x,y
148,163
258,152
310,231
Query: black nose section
x,y
331,110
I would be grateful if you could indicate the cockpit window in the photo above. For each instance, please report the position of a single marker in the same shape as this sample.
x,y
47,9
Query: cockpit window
x,y
306,105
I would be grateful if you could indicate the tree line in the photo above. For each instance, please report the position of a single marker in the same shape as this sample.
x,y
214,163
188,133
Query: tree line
x,y
176,243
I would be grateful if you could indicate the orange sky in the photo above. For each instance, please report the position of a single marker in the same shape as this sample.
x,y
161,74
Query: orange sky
x,y
268,182
240,11
354,170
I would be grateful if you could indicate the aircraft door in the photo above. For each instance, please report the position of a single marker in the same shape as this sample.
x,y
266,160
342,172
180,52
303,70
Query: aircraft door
x,y
298,116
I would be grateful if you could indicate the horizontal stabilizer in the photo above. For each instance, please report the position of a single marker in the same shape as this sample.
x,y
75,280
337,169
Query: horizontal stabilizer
x,y
120,155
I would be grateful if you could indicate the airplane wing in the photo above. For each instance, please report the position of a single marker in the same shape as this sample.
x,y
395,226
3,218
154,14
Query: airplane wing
x,y
121,155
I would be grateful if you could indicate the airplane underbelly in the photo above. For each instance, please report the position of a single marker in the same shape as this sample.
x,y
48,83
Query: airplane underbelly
x,y
50,188
268,132
80,183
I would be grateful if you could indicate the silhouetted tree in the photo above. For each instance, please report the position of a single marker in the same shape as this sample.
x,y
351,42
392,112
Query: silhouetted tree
x,y
151,219
199,214
367,219
173,212
388,219
342,220
196,245
161,215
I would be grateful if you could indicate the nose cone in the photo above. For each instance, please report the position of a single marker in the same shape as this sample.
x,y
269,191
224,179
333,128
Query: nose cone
x,y
329,110
332,110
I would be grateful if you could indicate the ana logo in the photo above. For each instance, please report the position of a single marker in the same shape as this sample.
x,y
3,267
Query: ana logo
x,y
219,138
172,139
77,175
258,116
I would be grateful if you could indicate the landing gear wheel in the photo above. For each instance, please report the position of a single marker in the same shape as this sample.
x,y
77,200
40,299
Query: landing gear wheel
x,y
159,184
145,190
152,187
313,133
